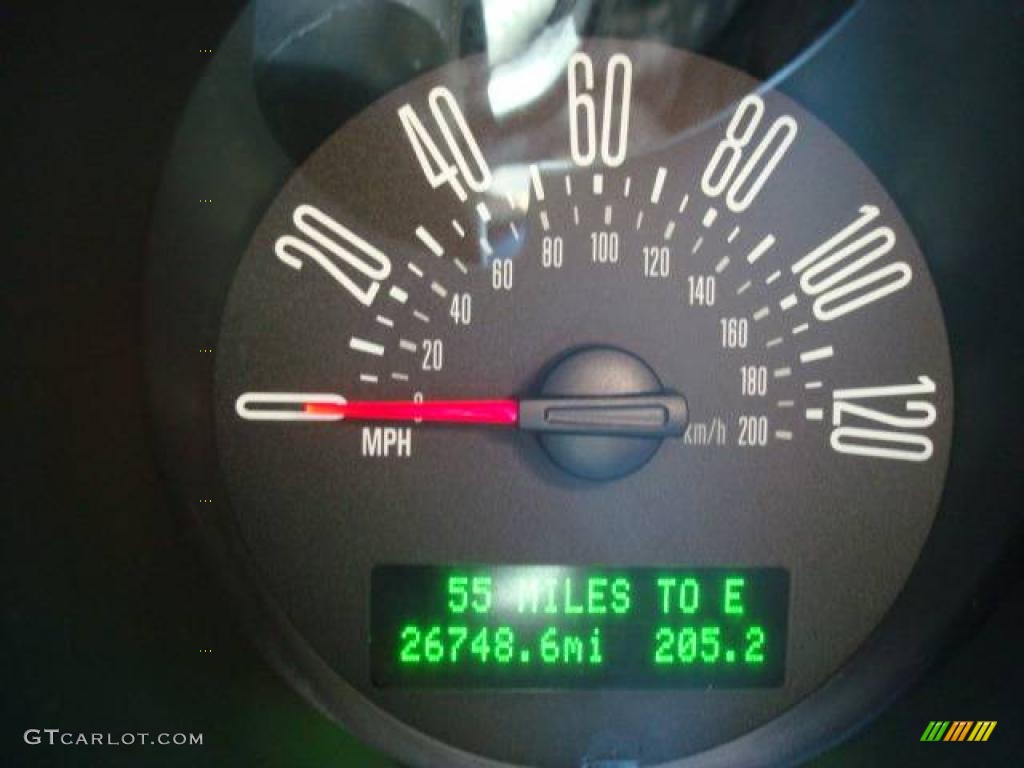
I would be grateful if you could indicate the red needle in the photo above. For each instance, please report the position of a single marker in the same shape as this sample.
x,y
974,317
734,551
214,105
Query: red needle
x,y
504,412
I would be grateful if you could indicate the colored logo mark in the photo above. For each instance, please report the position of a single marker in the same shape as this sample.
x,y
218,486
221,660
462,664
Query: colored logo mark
x,y
958,730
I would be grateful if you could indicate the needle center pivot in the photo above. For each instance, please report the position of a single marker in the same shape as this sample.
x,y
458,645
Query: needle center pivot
x,y
602,413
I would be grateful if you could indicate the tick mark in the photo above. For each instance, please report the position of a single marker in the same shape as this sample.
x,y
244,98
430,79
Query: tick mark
x,y
760,248
659,182
428,240
821,353
369,347
538,187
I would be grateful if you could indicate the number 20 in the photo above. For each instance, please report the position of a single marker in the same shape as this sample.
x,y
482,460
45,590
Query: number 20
x,y
355,264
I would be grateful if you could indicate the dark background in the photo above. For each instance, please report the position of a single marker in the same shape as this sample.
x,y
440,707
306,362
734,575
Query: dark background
x,y
105,600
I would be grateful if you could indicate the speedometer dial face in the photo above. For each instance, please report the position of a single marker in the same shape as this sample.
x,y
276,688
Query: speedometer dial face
x,y
637,342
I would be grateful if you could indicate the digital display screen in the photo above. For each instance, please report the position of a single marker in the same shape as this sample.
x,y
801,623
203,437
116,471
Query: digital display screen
x,y
577,627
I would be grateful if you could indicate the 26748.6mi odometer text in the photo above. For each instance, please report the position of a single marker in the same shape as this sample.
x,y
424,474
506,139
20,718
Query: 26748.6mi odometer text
x,y
598,329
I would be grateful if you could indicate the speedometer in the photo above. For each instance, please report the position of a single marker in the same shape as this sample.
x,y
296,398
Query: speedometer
x,y
625,409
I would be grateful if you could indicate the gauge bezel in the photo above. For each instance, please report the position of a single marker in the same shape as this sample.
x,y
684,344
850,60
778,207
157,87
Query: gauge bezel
x,y
194,254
